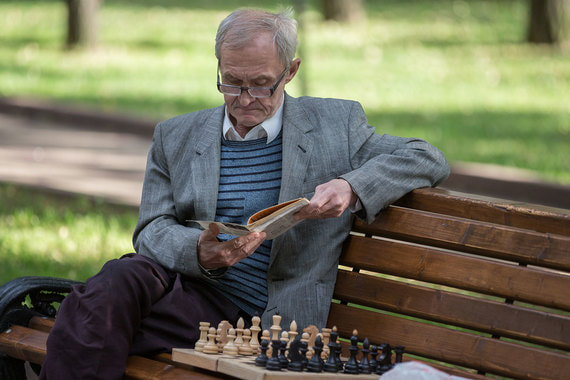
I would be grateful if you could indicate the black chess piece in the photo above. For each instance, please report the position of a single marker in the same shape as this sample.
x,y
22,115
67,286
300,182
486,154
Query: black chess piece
x,y
316,363
399,350
282,359
351,365
331,365
385,359
303,350
273,363
364,365
339,362
373,356
295,356
261,360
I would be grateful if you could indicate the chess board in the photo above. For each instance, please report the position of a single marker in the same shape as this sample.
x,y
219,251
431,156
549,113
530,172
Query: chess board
x,y
244,367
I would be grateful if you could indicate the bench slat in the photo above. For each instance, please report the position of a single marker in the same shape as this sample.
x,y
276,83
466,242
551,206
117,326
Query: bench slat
x,y
508,243
459,271
515,214
456,309
140,368
452,346
23,343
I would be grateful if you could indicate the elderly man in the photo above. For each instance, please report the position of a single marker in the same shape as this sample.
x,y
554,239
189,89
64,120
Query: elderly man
x,y
260,148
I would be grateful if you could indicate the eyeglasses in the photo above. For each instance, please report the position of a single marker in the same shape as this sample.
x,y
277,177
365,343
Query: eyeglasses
x,y
254,92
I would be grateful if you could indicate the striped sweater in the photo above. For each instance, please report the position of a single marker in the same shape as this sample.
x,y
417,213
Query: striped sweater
x,y
250,179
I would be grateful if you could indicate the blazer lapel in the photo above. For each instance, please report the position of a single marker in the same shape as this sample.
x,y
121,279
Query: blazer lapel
x,y
205,166
297,148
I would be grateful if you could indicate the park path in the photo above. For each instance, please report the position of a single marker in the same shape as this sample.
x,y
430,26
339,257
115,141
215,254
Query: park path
x,y
76,150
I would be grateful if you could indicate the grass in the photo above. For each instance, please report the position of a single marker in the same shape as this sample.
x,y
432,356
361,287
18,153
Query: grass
x,y
46,234
457,73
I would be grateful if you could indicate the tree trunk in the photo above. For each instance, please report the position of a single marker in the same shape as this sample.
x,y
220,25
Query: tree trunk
x,y
343,10
82,23
548,21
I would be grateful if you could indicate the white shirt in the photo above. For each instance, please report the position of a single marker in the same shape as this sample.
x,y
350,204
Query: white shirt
x,y
269,128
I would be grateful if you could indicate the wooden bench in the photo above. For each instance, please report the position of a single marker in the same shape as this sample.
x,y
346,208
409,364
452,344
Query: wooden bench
x,y
471,285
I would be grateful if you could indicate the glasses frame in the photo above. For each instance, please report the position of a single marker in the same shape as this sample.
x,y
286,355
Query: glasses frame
x,y
248,89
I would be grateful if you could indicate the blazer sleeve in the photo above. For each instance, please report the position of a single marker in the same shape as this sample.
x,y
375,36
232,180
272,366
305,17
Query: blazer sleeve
x,y
387,167
160,233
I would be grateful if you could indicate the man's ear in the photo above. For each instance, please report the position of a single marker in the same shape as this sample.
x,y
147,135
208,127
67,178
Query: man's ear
x,y
293,68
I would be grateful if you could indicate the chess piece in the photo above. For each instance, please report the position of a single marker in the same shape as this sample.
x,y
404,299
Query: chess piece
x,y
222,337
255,329
230,347
273,363
245,348
331,365
239,332
399,350
275,328
315,364
339,362
385,359
261,360
282,358
373,356
313,331
304,348
351,365
211,347
204,327
364,365
326,333
265,336
292,331
296,363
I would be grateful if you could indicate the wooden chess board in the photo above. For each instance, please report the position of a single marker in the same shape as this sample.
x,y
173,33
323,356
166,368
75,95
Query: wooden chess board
x,y
244,367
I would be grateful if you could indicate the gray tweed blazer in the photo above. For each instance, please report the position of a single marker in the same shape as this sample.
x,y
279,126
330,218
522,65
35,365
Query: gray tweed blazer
x,y
323,139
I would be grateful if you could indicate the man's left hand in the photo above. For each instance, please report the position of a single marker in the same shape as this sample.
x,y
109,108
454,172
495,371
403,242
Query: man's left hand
x,y
330,200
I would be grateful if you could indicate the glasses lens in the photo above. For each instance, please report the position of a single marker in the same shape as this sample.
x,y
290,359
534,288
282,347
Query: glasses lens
x,y
260,92
229,90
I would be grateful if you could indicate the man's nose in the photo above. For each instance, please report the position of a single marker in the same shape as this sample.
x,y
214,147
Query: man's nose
x,y
245,98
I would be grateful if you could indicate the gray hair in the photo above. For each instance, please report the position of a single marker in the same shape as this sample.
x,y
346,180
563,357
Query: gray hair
x,y
241,26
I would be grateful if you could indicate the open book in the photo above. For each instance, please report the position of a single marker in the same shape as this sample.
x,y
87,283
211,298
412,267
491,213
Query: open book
x,y
273,220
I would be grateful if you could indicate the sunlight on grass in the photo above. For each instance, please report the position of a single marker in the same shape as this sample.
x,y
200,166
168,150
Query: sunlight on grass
x,y
69,237
457,73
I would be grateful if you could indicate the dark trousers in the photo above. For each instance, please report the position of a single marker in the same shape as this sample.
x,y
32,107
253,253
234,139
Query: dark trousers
x,y
132,306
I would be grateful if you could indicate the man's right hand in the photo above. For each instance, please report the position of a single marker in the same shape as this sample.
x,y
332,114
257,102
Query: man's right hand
x,y
213,254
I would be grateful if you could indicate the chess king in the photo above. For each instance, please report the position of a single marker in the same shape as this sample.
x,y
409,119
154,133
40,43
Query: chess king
x,y
260,147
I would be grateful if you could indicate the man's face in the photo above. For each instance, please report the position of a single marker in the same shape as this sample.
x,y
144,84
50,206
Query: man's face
x,y
256,65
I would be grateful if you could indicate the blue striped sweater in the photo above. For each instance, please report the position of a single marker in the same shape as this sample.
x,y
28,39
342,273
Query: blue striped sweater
x,y
250,179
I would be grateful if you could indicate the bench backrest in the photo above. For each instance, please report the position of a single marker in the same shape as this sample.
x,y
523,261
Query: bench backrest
x,y
480,285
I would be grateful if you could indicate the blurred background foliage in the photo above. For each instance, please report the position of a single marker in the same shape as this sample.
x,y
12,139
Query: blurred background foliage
x,y
457,73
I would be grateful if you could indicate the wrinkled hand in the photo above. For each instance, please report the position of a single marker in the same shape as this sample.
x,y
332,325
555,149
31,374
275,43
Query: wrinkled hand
x,y
329,201
213,253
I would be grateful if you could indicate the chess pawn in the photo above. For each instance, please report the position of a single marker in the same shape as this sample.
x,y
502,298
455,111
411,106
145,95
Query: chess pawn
x,y
261,360
265,336
373,356
364,365
282,358
334,333
273,363
351,365
239,332
245,348
326,333
255,329
211,347
315,364
304,348
204,327
230,348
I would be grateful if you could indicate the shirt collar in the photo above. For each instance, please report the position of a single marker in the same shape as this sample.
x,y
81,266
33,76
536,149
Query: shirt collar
x,y
270,128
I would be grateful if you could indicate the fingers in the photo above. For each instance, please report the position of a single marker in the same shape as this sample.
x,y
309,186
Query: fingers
x,y
215,254
330,200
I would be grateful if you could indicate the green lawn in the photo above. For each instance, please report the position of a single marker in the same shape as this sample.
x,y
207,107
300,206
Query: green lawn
x,y
45,234
457,73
